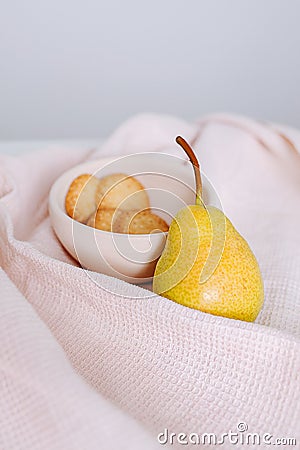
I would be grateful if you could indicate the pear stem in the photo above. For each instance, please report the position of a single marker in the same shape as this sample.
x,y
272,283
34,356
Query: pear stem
x,y
193,158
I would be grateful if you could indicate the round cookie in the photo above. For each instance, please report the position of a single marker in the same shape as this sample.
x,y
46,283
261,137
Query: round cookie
x,y
121,191
104,219
80,200
139,222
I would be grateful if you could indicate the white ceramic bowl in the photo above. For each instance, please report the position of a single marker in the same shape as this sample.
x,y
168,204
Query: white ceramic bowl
x,y
169,182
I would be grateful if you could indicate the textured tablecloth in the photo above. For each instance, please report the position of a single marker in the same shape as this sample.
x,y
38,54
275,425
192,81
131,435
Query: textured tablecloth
x,y
82,368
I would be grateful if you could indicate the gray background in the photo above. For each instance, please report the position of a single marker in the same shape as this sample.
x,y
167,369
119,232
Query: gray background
x,y
76,69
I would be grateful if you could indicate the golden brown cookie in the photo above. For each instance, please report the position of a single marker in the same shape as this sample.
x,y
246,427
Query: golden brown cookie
x,y
139,222
104,219
80,202
121,191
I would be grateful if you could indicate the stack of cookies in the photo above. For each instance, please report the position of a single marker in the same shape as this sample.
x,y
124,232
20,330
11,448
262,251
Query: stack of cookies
x,y
118,203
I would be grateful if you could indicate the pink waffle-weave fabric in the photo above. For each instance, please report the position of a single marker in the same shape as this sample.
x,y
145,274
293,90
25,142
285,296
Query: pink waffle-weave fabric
x,y
82,368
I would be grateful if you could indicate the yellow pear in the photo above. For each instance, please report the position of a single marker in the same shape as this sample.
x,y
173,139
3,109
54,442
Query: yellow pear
x,y
206,264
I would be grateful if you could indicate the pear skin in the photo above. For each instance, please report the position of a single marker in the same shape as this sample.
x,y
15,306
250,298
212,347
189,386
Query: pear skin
x,y
207,265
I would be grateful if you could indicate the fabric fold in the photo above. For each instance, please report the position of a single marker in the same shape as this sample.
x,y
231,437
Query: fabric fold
x,y
165,365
